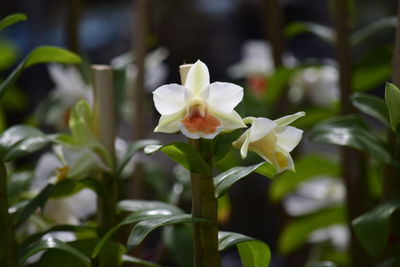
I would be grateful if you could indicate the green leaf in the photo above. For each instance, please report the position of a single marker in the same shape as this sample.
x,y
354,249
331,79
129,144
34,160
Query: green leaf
x,y
392,99
223,144
252,252
351,131
277,85
142,210
38,201
307,167
52,243
143,228
372,228
325,33
315,116
371,105
18,183
375,27
178,240
130,259
21,140
296,233
81,123
132,149
12,19
183,154
43,54
226,179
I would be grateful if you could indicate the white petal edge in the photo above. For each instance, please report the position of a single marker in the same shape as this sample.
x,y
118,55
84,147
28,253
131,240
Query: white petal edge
x,y
224,97
230,121
170,123
198,135
286,120
169,98
260,128
289,138
197,78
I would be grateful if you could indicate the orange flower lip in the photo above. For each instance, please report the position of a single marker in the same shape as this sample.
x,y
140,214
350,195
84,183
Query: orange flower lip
x,y
199,120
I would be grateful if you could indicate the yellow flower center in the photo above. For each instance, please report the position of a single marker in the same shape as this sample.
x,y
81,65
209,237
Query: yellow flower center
x,y
266,146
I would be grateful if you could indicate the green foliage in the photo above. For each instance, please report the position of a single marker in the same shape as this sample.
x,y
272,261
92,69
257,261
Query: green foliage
x,y
375,27
223,144
178,239
131,259
372,228
21,140
252,252
307,167
296,233
183,154
392,99
314,116
52,243
12,19
43,54
322,264
277,85
296,28
144,227
371,105
8,54
225,180
132,150
351,131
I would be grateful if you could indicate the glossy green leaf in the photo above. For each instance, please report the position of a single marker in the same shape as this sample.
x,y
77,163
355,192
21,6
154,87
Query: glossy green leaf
x,y
367,77
392,99
132,150
131,259
111,255
252,252
351,131
226,179
372,228
12,19
371,105
183,154
81,123
52,243
223,144
296,232
142,210
323,32
21,140
307,167
322,264
18,183
43,54
143,228
38,201
375,27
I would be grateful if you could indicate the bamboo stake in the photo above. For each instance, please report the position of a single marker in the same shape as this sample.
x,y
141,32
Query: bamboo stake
x,y
204,205
104,126
8,247
353,162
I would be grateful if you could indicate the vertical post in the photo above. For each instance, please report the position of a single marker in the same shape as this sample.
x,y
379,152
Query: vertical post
x,y
72,25
273,27
353,162
104,126
142,24
8,247
204,205
391,186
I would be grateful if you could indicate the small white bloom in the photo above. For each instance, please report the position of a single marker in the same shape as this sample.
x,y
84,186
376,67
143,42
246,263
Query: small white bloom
x,y
198,109
319,84
337,234
272,140
314,195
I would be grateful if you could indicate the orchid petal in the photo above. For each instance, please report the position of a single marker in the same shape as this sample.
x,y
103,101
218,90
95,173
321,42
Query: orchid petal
x,y
289,138
197,135
286,120
170,123
197,78
169,99
230,121
261,127
224,96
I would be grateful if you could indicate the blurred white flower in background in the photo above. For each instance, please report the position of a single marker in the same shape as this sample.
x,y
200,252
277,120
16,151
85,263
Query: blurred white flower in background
x,y
320,85
257,65
315,195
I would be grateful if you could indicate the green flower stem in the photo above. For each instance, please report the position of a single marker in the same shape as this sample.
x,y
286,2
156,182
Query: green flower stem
x,y
104,127
204,205
8,247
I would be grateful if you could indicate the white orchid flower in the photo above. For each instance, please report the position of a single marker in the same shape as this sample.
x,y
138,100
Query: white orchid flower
x,y
271,140
338,235
198,109
319,84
